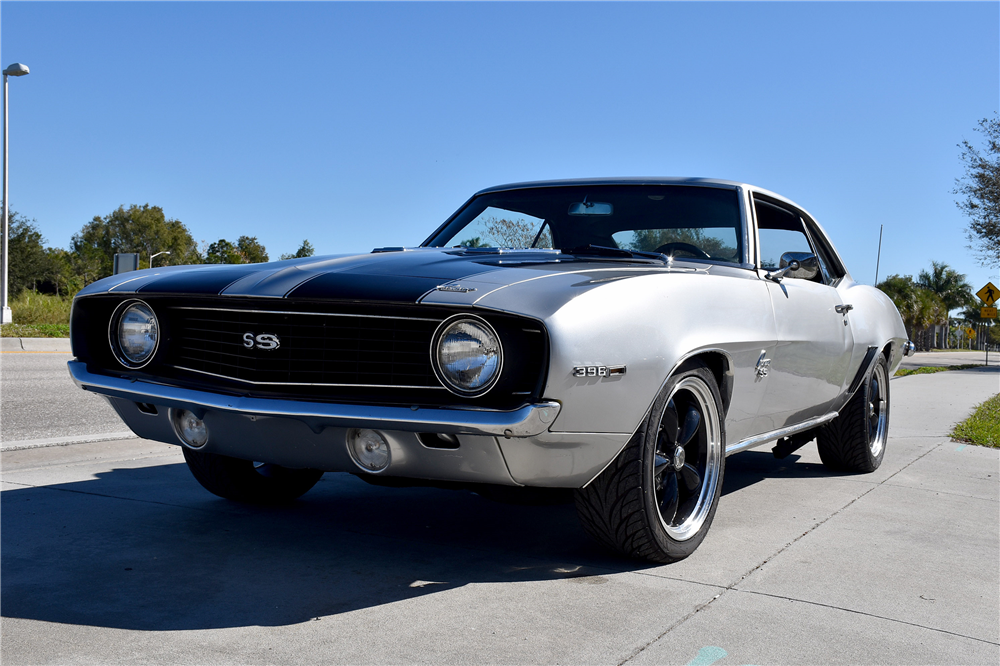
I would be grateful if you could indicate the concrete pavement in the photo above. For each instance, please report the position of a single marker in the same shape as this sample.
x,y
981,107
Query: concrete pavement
x,y
112,554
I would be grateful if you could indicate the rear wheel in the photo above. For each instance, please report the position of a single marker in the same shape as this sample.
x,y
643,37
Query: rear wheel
x,y
657,499
855,440
247,481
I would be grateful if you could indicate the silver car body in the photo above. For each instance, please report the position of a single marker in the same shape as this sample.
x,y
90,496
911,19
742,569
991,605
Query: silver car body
x,y
787,356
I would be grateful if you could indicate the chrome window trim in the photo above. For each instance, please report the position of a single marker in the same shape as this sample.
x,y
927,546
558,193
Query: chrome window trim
x,y
250,381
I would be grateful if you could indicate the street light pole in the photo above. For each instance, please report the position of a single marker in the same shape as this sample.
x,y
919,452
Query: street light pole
x,y
6,317
154,256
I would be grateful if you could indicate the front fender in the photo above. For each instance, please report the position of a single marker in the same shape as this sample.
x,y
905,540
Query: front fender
x,y
649,324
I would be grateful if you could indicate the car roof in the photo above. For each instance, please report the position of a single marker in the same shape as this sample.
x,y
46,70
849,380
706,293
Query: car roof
x,y
642,180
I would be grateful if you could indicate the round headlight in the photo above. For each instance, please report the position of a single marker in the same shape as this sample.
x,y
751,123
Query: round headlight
x,y
135,334
466,355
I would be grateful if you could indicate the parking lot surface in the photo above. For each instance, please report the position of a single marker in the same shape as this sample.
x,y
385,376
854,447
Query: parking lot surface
x,y
111,553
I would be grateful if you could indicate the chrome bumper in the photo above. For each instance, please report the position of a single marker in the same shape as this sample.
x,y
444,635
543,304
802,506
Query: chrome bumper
x,y
909,349
526,421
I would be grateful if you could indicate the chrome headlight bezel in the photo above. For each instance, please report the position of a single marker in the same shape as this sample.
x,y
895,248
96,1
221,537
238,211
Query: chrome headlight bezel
x,y
443,328
114,327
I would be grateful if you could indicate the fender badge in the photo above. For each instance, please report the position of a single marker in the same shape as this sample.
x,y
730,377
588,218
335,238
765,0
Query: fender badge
x,y
763,365
598,370
455,287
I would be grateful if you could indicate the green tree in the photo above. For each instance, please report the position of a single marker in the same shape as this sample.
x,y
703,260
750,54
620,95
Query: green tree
x,y
28,263
246,250
141,229
949,285
919,308
980,191
305,250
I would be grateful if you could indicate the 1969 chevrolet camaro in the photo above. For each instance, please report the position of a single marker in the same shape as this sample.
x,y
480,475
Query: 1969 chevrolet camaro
x,y
616,337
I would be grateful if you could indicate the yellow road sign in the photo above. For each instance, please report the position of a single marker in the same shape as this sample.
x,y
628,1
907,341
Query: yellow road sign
x,y
988,313
970,333
989,294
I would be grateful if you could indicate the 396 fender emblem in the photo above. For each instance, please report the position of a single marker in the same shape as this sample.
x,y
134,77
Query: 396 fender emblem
x,y
598,370
266,341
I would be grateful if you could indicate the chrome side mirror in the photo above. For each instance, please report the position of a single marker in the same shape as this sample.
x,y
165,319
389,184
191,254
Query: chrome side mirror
x,y
801,265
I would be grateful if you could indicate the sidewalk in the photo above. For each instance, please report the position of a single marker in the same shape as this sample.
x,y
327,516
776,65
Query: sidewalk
x,y
950,357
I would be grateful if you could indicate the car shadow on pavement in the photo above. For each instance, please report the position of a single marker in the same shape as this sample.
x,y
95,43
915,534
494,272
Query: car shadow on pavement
x,y
750,467
148,549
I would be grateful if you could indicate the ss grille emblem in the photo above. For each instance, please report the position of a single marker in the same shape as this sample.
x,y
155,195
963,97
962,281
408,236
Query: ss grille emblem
x,y
266,341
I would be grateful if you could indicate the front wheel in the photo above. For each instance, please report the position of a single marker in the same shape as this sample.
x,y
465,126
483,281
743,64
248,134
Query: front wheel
x,y
657,499
247,481
855,440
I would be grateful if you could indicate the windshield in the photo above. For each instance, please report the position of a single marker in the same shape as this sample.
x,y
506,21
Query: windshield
x,y
676,220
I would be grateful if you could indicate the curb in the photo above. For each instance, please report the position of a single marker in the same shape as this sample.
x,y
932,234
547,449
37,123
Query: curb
x,y
35,345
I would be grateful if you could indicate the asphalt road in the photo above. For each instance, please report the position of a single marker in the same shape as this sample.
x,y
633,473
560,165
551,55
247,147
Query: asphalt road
x,y
40,404
111,553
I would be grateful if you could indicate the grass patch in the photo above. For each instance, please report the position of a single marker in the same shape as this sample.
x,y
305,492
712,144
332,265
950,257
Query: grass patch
x,y
38,316
33,308
34,331
983,427
930,370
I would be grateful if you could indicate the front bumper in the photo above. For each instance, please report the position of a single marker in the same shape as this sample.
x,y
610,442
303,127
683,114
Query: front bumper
x,y
498,447
527,421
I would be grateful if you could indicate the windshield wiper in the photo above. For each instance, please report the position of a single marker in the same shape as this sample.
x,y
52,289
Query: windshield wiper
x,y
614,252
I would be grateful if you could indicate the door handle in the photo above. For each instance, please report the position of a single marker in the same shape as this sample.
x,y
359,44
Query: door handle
x,y
843,309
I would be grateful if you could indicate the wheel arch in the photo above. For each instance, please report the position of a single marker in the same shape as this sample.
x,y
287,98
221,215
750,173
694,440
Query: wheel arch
x,y
719,364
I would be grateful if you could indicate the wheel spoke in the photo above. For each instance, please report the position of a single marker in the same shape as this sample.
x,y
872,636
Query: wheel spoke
x,y
691,480
660,464
692,421
670,499
669,427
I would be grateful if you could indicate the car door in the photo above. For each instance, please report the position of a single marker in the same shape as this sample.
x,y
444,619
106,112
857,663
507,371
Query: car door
x,y
809,366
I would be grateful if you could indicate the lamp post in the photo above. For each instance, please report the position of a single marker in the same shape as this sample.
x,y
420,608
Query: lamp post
x,y
154,256
6,317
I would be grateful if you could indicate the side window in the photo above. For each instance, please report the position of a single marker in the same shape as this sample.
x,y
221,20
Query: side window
x,y
775,242
781,230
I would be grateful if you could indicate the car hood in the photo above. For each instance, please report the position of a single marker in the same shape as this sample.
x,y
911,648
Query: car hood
x,y
431,275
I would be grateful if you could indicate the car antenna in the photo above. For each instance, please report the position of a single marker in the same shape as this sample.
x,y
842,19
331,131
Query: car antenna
x,y
878,257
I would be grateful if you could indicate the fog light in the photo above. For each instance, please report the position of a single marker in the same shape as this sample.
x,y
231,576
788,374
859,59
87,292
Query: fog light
x,y
369,449
189,428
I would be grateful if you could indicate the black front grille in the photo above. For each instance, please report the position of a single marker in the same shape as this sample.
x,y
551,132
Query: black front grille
x,y
314,348
362,353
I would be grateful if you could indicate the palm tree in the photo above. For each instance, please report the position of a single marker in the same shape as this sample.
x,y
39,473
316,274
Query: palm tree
x,y
949,285
930,311
903,293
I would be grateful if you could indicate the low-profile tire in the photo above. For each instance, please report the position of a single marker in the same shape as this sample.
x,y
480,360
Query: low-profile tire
x,y
657,499
855,440
247,481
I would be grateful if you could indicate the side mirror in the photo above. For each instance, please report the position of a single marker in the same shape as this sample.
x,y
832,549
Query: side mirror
x,y
801,265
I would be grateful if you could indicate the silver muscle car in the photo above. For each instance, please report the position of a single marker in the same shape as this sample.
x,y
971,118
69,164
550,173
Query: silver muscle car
x,y
619,338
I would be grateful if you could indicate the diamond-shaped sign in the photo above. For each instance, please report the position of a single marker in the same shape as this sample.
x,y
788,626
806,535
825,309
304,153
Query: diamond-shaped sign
x,y
989,294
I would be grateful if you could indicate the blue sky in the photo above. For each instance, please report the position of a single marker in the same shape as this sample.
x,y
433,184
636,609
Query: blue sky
x,y
358,125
